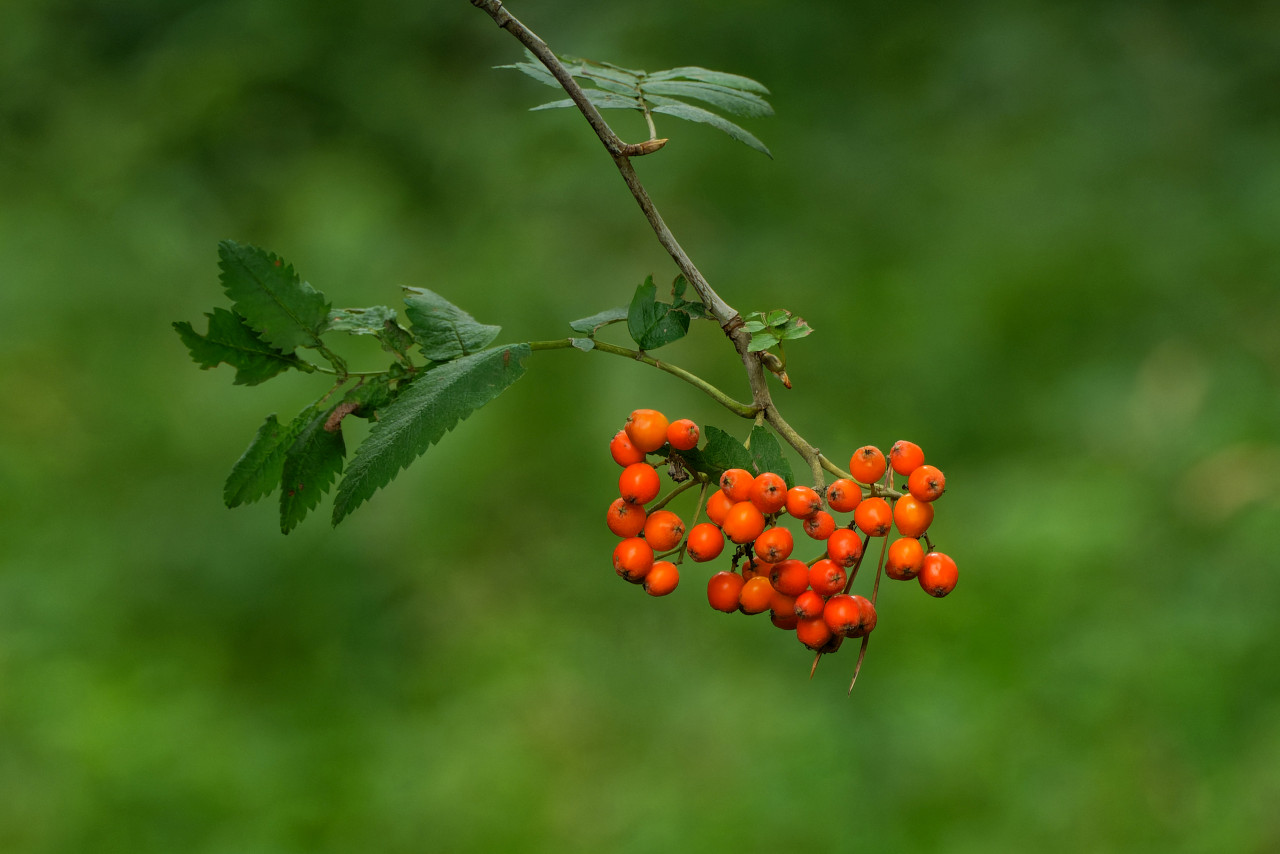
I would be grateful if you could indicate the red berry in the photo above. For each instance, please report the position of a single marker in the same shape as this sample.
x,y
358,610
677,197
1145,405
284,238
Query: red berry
x,y
682,434
632,559
820,525
755,596
874,517
844,547
803,502
623,452
705,542
768,492
843,495
639,483
737,483
663,530
724,590
809,605
906,556
827,578
718,506
774,545
743,523
814,634
662,578
905,457
926,483
647,429
625,519
867,464
938,574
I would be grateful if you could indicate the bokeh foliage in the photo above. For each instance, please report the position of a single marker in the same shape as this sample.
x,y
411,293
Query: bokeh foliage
x,y
1040,240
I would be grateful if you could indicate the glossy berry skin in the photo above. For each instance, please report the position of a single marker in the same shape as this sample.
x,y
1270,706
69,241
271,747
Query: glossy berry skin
x,y
809,605
769,492
849,616
647,429
662,578
743,523
751,567
755,596
718,506
623,452
803,502
774,545
814,634
724,589
827,578
705,542
938,574
843,495
867,465
737,483
912,516
874,517
625,519
844,547
791,577
926,483
783,620
632,559
781,603
639,483
906,557
682,434
820,525
905,457
663,530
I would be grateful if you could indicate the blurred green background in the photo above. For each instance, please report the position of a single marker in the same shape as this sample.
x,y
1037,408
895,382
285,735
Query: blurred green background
x,y
1038,239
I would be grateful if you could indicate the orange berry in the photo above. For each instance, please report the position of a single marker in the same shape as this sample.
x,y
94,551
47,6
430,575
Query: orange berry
x,y
820,525
774,545
751,567
849,616
783,620
755,596
912,516
632,559
663,530
781,603
867,464
827,578
844,547
769,492
938,574
814,633
682,434
623,452
647,429
625,519
662,578
926,483
718,506
809,605
803,502
906,556
737,483
639,483
743,523
874,517
705,542
724,590
843,495
791,577
905,457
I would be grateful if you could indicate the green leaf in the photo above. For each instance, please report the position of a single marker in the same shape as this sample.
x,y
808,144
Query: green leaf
x,y
583,344
731,100
229,340
287,312
762,341
535,69
679,303
591,325
720,452
798,329
697,114
420,416
443,330
652,323
766,455
310,465
719,78
602,100
257,473
362,321
371,395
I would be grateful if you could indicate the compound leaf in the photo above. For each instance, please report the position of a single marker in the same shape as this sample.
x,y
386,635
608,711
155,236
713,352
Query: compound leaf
x,y
287,312
652,323
231,341
311,463
719,78
257,473
731,100
362,321
720,452
766,455
442,330
420,416
697,114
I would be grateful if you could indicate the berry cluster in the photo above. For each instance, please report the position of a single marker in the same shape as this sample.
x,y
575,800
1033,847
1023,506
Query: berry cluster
x,y
810,597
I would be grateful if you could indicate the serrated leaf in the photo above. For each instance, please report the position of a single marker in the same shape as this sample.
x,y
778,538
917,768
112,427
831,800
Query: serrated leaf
x,y
720,78
583,344
394,338
720,452
361,321
287,312
762,341
371,395
697,114
679,303
443,330
257,473
652,323
420,416
310,465
733,100
766,455
798,329
602,100
591,325
229,340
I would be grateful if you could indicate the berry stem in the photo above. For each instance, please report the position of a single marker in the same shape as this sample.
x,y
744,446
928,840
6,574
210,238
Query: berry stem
x,y
662,502
857,668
